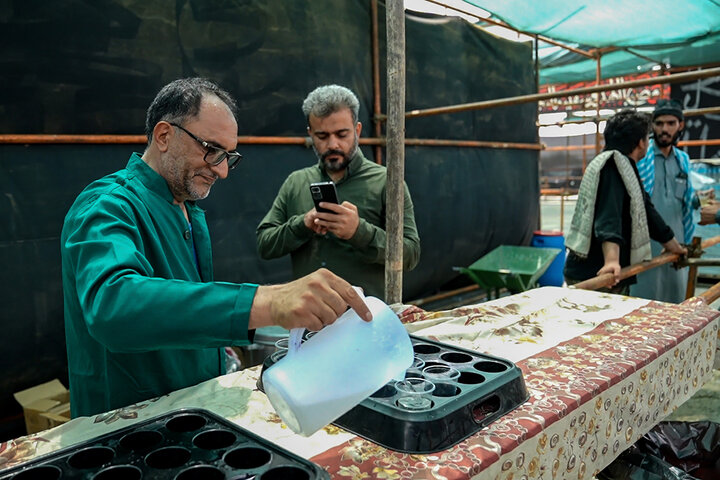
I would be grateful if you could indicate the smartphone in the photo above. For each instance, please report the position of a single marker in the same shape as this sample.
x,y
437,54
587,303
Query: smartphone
x,y
323,192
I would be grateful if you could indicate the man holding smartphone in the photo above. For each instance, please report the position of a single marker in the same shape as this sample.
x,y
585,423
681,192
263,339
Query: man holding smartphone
x,y
349,240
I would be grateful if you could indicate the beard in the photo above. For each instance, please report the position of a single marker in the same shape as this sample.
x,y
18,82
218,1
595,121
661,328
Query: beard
x,y
338,164
665,140
180,180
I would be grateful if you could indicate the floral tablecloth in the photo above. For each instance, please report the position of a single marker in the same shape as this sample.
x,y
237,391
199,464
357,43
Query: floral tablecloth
x,y
601,371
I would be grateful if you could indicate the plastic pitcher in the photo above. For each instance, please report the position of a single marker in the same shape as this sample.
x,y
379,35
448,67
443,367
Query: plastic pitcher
x,y
338,368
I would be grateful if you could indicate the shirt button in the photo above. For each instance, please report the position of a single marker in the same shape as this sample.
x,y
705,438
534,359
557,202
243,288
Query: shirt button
x,y
323,264
187,234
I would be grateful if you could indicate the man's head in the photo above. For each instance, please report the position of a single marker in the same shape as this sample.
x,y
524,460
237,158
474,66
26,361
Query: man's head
x,y
627,132
332,113
667,122
192,135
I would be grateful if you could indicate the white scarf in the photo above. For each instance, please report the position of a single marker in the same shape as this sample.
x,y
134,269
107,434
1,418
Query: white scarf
x,y
580,235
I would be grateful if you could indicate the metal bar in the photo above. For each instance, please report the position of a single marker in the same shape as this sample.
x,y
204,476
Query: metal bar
x,y
471,143
501,102
606,279
395,97
598,78
505,25
444,295
703,262
701,111
711,294
695,248
377,108
710,242
252,140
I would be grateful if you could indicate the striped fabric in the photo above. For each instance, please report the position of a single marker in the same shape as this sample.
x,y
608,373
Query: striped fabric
x,y
646,168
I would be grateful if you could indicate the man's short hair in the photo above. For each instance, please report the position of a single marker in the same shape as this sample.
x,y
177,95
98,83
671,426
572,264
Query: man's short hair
x,y
180,99
668,107
625,129
328,99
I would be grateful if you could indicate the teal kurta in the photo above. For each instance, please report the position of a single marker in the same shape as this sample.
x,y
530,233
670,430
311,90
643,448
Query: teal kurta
x,y
361,259
143,316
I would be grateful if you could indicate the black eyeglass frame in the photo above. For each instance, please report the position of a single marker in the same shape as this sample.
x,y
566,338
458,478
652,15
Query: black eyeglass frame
x,y
233,158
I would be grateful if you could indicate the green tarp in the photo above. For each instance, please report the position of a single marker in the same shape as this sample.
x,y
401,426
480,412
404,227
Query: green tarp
x,y
678,34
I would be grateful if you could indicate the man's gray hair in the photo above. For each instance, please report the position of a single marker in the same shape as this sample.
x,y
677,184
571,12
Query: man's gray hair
x,y
328,99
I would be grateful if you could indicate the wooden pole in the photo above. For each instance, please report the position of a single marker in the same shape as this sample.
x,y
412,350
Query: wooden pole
x,y
377,107
395,21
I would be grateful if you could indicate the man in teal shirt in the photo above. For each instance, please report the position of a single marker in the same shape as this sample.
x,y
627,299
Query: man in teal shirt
x,y
349,240
143,316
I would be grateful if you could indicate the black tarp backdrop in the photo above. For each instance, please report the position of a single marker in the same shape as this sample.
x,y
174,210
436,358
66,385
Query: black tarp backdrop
x,y
701,93
82,67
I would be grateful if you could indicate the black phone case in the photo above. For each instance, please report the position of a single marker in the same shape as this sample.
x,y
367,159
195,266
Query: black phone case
x,y
323,192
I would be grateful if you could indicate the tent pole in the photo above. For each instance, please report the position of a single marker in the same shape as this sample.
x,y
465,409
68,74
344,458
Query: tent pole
x,y
598,77
395,21
502,102
377,108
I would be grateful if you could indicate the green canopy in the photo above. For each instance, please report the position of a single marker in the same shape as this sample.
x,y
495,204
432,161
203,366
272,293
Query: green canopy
x,y
649,33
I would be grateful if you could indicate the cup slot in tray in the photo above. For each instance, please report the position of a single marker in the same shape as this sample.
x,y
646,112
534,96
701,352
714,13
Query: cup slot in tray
x,y
184,444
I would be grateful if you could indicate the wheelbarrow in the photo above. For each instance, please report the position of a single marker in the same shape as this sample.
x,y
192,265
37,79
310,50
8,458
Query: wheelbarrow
x,y
513,267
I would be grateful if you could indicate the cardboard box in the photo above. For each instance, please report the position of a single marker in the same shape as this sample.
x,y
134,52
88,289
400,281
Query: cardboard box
x,y
45,406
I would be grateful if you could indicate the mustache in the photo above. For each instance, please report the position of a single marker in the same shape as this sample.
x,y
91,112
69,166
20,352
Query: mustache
x,y
332,152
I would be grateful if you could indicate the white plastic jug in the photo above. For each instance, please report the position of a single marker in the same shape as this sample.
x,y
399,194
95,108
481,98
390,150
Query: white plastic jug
x,y
338,368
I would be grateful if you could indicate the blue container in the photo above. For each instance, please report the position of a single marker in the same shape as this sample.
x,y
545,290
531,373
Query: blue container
x,y
553,276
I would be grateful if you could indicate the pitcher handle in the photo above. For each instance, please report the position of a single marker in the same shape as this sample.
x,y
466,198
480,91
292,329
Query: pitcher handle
x,y
295,340
296,334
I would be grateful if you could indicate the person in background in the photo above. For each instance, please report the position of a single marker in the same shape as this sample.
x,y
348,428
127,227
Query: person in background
x,y
143,316
710,214
350,239
665,172
614,218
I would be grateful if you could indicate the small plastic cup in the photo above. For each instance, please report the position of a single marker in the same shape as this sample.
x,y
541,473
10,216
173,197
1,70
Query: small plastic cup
x,y
415,370
277,355
705,197
441,373
282,344
415,394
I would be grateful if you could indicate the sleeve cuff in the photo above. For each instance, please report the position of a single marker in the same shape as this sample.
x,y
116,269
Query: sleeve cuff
x,y
363,235
241,315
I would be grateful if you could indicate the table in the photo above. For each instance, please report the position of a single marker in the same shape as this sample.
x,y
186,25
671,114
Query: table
x,y
601,370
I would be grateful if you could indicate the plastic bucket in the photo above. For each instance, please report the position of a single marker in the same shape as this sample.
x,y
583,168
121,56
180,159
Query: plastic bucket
x,y
553,276
338,368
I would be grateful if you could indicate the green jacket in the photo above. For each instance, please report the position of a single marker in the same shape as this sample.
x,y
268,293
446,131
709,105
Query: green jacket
x,y
359,260
141,319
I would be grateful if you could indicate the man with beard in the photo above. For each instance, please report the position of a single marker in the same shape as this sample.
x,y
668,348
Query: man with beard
x,y
665,172
349,240
143,316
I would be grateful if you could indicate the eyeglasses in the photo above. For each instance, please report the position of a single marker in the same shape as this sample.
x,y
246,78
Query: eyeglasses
x,y
213,155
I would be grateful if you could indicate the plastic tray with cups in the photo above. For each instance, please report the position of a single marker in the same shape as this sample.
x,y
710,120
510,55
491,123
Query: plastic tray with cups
x,y
184,444
405,393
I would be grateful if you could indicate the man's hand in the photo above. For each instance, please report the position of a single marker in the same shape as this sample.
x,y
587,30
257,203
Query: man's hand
x,y
708,213
309,220
611,267
343,223
312,302
673,246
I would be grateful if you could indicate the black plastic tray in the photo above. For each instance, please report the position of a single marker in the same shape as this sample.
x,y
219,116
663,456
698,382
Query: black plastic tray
x,y
488,387
183,444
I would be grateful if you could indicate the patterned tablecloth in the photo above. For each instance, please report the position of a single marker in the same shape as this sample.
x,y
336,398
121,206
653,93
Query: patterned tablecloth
x,y
601,371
